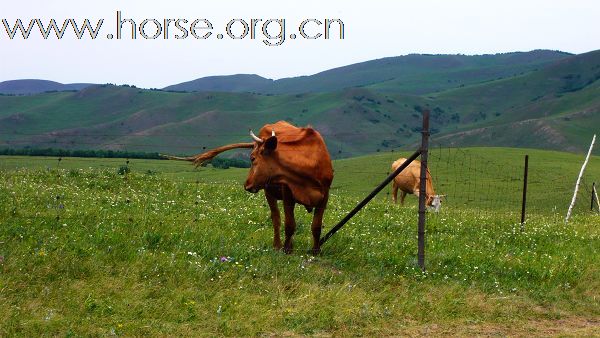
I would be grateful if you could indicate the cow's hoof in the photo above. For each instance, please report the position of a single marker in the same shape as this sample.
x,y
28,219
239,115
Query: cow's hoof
x,y
287,250
314,252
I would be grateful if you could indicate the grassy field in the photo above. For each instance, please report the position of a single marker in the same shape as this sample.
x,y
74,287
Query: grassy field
x,y
481,178
168,250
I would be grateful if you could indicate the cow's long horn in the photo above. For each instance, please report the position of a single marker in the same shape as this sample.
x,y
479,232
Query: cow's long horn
x,y
254,137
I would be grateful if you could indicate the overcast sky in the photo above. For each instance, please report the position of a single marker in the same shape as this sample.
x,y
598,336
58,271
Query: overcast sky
x,y
372,29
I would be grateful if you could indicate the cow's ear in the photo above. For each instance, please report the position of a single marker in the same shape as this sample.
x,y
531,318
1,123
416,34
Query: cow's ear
x,y
271,144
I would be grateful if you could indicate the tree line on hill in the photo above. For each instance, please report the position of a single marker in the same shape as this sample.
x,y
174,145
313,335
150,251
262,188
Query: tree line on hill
x,y
221,163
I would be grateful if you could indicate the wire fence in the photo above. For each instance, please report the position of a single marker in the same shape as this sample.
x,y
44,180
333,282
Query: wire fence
x,y
470,180
495,186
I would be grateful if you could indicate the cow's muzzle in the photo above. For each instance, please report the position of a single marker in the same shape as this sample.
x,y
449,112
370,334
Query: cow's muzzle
x,y
251,189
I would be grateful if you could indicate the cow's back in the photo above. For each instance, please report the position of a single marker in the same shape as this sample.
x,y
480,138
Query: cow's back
x,y
409,177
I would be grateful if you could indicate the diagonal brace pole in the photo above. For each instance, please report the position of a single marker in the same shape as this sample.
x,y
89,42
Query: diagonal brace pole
x,y
370,197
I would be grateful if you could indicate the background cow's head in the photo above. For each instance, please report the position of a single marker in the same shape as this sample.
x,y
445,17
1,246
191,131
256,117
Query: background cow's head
x,y
263,163
435,202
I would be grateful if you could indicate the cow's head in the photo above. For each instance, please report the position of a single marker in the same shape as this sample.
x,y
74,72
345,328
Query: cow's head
x,y
435,202
263,163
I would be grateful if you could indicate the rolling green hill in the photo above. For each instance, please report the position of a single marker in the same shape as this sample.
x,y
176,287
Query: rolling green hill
x,y
410,74
554,107
25,87
230,83
127,118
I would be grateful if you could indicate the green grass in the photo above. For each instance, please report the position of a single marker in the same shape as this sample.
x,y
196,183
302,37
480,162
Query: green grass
x,y
176,251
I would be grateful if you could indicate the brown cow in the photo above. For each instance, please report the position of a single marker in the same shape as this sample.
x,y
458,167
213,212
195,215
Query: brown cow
x,y
409,180
291,164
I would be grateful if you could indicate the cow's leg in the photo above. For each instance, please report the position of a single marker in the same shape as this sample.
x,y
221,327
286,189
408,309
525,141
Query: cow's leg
x,y
317,225
276,219
402,195
394,192
290,222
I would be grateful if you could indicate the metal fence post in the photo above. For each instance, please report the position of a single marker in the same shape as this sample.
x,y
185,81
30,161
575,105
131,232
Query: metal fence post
x,y
523,205
593,191
423,190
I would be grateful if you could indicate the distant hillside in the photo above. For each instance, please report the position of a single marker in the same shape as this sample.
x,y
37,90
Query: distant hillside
x,y
554,107
24,87
410,74
230,83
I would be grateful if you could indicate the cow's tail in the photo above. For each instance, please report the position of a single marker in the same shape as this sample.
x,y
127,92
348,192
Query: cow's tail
x,y
209,155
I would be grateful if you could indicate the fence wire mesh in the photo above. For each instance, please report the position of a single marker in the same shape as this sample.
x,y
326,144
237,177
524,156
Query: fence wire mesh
x,y
470,179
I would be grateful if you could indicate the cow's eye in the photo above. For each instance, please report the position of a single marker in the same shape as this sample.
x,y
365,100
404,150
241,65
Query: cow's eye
x,y
252,158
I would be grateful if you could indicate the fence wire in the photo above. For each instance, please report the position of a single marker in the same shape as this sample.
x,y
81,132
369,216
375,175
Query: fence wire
x,y
469,180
